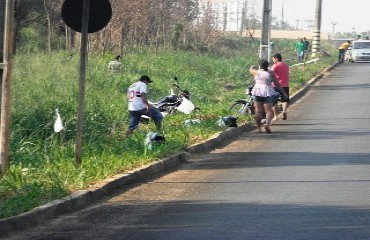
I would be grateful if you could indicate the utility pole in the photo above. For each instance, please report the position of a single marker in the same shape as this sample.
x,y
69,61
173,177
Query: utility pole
x,y
282,15
5,65
2,31
316,30
265,48
333,23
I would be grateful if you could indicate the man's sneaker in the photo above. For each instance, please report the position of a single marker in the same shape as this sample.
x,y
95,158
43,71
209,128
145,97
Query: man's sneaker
x,y
285,116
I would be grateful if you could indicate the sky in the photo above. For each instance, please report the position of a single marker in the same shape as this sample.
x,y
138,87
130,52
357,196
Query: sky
x,y
343,15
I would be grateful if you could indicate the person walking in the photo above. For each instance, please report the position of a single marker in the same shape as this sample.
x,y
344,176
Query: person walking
x,y
282,72
263,93
306,48
342,50
299,48
138,105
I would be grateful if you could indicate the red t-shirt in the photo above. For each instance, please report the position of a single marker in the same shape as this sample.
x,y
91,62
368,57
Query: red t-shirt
x,y
281,70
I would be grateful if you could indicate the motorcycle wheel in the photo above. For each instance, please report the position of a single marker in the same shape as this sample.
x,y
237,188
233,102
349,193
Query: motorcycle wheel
x,y
238,109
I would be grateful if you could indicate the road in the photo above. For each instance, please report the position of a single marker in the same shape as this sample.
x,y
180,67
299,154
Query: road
x,y
309,179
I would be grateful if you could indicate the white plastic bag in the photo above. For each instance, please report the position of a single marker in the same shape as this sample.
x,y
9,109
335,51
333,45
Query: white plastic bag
x,y
58,124
186,106
190,122
220,122
148,140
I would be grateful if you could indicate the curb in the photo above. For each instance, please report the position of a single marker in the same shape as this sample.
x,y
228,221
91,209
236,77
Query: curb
x,y
82,198
304,89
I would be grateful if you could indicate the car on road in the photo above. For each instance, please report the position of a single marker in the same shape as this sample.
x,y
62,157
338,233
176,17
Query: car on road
x,y
359,51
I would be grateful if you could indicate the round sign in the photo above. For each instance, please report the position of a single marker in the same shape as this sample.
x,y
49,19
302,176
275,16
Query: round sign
x,y
99,15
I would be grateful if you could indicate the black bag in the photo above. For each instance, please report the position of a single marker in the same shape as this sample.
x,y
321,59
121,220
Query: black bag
x,y
230,121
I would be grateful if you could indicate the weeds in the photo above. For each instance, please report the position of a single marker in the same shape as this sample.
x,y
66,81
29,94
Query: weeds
x,y
42,162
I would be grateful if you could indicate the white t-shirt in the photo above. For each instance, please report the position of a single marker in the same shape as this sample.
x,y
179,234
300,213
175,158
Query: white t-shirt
x,y
134,96
114,65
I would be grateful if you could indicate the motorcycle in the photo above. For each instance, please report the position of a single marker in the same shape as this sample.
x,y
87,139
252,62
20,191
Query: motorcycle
x,y
177,100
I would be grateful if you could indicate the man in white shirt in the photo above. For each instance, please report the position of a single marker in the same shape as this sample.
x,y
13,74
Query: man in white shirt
x,y
138,105
115,64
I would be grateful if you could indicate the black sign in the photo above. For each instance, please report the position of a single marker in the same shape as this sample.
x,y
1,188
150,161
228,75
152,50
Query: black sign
x,y
99,15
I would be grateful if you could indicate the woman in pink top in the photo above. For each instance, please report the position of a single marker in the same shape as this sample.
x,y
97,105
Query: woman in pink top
x,y
263,93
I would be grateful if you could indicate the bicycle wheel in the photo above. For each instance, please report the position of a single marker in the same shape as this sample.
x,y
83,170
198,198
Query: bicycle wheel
x,y
238,109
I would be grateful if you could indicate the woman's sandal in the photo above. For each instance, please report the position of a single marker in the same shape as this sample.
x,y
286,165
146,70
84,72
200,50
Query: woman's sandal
x,y
268,130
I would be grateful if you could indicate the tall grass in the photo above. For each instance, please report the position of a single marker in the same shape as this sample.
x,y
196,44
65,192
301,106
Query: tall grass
x,y
42,164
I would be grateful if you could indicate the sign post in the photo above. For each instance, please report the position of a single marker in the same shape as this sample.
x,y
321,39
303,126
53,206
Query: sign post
x,y
77,14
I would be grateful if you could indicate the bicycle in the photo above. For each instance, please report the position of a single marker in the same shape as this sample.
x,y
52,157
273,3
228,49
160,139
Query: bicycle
x,y
245,106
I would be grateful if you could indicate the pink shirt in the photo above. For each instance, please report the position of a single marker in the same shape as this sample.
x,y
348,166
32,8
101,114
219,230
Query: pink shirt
x,y
281,70
263,84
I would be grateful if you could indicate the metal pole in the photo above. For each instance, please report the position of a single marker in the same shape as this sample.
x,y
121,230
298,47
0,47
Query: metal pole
x,y
5,93
82,80
316,30
265,32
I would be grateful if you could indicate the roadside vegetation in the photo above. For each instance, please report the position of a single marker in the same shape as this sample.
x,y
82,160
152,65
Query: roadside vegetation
x,y
42,166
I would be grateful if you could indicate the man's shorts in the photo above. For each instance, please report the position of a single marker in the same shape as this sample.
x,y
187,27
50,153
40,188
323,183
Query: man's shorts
x,y
282,98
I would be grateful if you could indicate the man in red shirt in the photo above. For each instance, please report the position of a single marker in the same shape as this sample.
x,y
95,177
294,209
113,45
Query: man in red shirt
x,y
281,70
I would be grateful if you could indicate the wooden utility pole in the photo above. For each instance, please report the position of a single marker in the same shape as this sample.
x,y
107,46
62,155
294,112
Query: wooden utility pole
x,y
316,30
82,80
5,64
2,31
265,48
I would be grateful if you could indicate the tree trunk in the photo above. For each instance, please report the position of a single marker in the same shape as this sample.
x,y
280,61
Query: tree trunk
x,y
49,26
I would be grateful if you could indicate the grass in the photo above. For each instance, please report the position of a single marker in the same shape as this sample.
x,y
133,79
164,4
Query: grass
x,y
42,166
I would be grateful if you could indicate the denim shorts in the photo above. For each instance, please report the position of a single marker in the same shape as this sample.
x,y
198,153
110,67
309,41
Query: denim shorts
x,y
135,116
264,99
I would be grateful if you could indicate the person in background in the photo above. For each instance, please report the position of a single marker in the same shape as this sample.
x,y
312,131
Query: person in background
x,y
115,64
263,93
306,48
272,46
299,48
342,50
281,70
138,105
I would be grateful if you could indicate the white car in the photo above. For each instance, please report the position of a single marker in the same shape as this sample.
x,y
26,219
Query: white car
x,y
359,51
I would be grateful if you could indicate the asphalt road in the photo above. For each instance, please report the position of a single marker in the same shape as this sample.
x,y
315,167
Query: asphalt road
x,y
309,179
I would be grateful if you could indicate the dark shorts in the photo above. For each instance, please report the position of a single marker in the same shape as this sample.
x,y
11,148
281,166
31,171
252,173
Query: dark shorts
x,y
259,99
135,116
282,98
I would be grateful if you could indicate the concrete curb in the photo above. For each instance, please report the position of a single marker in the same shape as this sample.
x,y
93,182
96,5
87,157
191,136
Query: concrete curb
x,y
304,89
82,198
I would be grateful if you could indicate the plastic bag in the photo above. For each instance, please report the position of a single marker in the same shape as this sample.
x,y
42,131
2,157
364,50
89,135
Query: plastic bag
x,y
186,106
58,124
